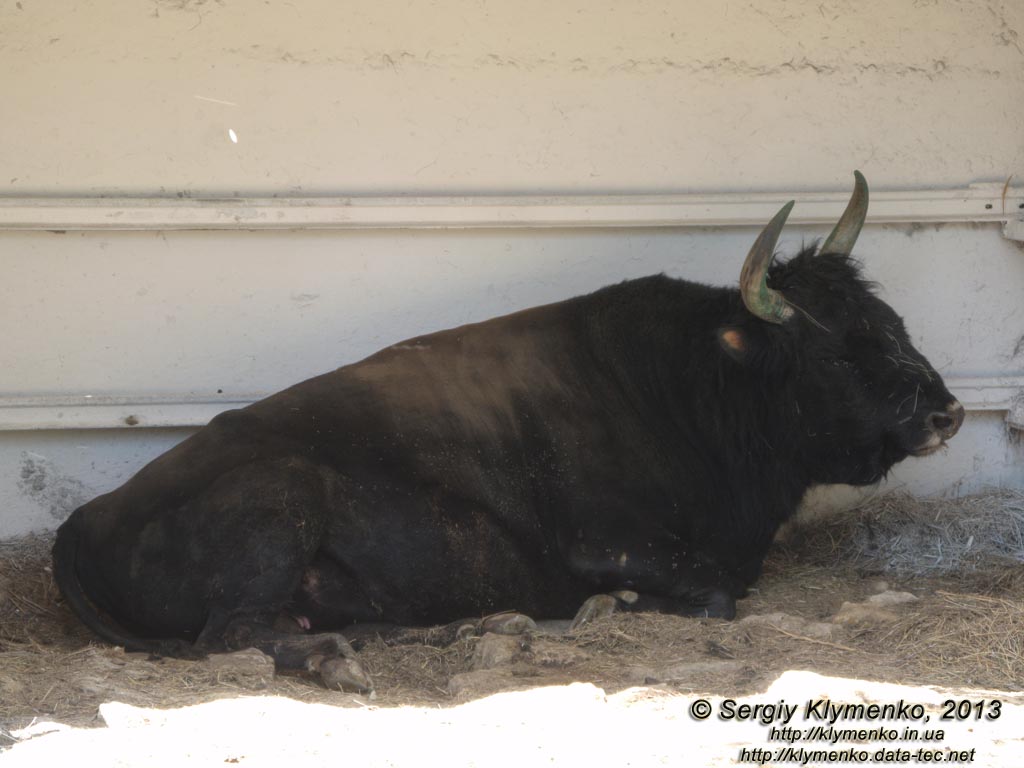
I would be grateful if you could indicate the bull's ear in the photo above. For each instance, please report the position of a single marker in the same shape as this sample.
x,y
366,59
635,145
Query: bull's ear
x,y
734,341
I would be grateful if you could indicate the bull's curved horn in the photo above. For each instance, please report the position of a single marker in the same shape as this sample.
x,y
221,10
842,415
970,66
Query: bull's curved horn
x,y
846,231
762,301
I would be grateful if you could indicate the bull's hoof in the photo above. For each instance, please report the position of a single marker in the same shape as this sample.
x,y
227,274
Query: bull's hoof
x,y
248,661
342,674
507,624
601,606
626,596
495,651
716,604
595,607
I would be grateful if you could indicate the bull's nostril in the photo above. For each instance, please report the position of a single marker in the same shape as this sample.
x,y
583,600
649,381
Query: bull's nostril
x,y
946,423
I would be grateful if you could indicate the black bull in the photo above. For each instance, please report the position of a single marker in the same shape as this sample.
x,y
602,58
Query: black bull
x,y
647,439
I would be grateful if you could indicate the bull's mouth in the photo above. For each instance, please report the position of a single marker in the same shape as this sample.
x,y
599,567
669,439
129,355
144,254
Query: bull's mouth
x,y
930,446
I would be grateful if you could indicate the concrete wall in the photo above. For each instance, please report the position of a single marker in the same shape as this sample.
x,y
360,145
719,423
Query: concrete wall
x,y
120,98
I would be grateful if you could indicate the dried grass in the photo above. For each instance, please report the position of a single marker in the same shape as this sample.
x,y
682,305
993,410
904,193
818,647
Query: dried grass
x,y
28,594
414,673
904,536
968,639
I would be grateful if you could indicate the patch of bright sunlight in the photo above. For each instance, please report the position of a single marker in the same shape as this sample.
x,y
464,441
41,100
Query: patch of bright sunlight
x,y
570,725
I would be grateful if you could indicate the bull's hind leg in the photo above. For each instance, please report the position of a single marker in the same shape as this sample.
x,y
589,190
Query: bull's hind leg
x,y
327,654
265,522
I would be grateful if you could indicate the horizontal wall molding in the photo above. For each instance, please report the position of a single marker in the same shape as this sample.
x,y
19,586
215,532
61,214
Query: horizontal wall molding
x,y
114,412
996,393
986,393
993,203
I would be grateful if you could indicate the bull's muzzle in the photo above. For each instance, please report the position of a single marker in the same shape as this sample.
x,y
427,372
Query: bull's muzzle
x,y
941,426
946,423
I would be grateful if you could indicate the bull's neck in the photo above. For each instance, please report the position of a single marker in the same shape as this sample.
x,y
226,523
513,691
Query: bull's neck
x,y
660,343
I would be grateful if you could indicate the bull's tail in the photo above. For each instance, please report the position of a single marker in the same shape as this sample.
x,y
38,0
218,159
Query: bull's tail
x,y
65,573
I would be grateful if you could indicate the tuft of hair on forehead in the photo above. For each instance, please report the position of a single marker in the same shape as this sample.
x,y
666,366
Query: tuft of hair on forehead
x,y
828,270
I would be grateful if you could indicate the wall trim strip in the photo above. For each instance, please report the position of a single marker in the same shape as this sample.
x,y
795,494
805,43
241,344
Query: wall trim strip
x,y
988,202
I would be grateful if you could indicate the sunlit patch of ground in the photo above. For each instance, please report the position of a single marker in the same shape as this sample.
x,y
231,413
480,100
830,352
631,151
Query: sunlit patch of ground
x,y
571,725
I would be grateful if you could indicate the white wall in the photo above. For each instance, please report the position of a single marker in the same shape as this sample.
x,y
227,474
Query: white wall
x,y
371,96
123,98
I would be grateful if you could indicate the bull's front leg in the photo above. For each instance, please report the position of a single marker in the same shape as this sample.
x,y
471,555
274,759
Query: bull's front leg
x,y
708,603
665,580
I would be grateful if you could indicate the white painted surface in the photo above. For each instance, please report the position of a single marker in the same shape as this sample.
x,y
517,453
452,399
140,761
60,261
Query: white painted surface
x,y
327,99
208,313
48,474
384,97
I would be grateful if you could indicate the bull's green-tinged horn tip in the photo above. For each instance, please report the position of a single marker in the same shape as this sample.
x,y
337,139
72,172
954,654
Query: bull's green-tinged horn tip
x,y
783,213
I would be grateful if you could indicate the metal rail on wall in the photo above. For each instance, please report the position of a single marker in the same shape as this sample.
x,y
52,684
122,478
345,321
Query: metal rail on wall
x,y
989,202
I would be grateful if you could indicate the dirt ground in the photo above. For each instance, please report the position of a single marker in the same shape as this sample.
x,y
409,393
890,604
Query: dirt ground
x,y
901,591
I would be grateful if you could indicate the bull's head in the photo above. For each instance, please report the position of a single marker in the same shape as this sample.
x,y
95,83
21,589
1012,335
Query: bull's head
x,y
865,398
